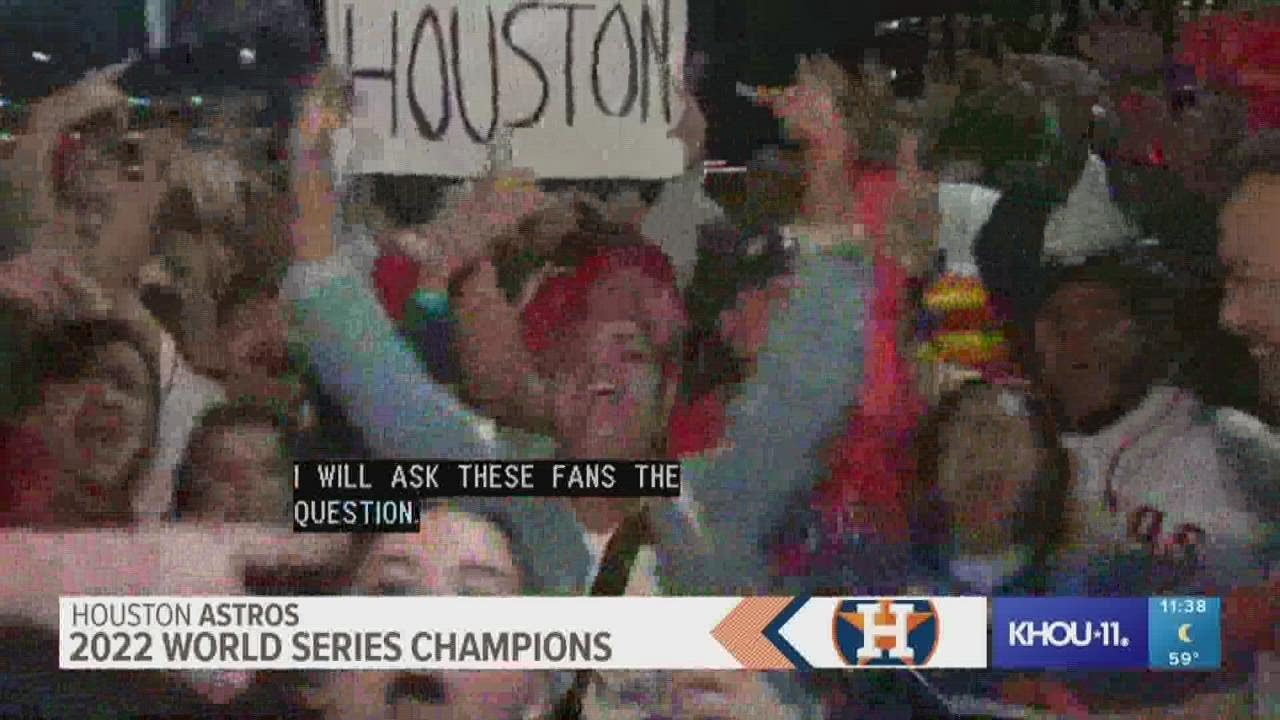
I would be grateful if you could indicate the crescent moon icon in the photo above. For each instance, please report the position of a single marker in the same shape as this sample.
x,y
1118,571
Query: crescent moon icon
x,y
1184,633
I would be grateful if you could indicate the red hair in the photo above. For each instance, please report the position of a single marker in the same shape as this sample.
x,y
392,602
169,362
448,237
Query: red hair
x,y
560,303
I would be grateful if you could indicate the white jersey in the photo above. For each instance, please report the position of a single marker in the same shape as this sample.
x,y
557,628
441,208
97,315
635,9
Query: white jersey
x,y
1158,482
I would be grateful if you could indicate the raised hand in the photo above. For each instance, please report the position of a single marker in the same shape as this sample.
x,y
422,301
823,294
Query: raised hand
x,y
324,108
97,93
51,285
912,227
468,228
54,287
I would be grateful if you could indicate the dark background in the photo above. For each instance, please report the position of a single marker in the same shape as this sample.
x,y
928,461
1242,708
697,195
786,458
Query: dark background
x,y
752,41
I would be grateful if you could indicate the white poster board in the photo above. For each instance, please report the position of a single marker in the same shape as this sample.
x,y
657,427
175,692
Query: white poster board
x,y
587,88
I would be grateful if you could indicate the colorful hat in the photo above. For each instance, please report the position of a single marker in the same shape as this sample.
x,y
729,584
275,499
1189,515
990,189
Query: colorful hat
x,y
962,327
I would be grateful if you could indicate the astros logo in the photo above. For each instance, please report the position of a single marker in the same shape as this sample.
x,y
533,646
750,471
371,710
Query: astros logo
x,y
878,632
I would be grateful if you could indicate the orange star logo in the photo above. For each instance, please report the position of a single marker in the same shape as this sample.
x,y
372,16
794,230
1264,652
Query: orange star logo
x,y
885,617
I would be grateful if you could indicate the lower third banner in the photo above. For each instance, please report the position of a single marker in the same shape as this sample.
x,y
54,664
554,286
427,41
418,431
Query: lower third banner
x,y
623,633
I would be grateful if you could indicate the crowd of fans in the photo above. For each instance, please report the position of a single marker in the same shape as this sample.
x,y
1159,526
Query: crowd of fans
x,y
1066,383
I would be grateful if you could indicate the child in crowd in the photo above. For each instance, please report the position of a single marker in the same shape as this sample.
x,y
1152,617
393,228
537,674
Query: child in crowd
x,y
988,473
235,469
82,397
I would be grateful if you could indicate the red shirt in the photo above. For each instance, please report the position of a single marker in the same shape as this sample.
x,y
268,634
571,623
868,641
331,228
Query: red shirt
x,y
28,473
696,426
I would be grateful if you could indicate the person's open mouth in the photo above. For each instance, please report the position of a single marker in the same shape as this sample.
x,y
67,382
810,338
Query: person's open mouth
x,y
411,693
603,389
90,228
105,426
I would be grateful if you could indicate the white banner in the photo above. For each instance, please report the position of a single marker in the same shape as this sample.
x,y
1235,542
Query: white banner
x,y
586,90
469,633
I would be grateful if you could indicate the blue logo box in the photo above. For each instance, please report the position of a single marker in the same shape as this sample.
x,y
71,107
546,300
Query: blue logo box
x,y
1070,633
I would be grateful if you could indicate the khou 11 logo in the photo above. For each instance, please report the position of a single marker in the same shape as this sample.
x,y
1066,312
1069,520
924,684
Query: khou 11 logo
x,y
1070,633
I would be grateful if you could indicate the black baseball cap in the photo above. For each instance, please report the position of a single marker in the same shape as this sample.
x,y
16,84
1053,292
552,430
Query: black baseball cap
x,y
45,46
264,62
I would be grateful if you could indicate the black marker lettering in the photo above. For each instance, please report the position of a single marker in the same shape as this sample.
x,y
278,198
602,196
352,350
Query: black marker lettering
x,y
350,36
455,33
387,74
629,100
431,133
510,20
661,44
569,8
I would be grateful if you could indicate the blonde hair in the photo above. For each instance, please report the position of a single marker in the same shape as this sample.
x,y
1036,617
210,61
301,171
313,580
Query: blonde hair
x,y
217,181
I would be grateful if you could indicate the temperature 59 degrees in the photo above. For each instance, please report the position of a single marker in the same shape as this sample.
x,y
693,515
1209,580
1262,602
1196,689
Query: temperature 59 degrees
x,y
1184,659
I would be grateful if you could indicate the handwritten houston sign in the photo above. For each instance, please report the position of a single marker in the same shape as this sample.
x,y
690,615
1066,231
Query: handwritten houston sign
x,y
586,89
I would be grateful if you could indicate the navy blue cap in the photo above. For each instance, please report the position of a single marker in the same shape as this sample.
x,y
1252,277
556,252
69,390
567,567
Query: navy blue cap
x,y
265,61
32,67
45,46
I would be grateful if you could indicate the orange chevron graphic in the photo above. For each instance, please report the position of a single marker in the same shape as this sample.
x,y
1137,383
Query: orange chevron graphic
x,y
742,633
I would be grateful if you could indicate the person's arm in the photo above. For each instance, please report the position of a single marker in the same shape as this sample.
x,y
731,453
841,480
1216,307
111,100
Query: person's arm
x,y
498,373
39,567
369,369
354,348
42,288
96,94
806,379
358,356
